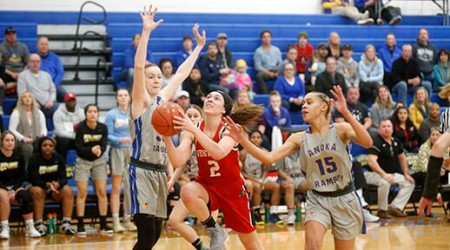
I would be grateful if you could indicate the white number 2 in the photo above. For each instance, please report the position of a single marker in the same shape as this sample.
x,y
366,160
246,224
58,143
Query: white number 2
x,y
214,168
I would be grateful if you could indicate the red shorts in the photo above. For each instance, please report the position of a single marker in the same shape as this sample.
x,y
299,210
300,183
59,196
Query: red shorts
x,y
232,198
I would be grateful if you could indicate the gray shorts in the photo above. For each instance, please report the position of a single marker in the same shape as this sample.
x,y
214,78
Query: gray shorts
x,y
145,191
83,169
298,182
120,157
343,214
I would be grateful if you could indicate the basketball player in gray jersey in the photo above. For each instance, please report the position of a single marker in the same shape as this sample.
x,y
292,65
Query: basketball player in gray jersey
x,y
145,178
332,200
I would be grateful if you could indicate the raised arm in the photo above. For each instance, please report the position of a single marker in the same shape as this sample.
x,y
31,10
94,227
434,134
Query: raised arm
x,y
141,98
356,131
178,156
185,68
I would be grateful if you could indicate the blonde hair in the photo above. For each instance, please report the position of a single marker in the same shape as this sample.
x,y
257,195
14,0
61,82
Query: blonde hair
x,y
445,92
20,105
427,101
389,102
366,60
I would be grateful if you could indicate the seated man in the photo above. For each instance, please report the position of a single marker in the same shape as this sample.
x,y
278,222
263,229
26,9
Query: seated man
x,y
212,69
388,54
430,122
40,84
183,99
406,76
344,8
425,55
266,59
127,72
359,110
326,80
382,160
66,119
224,51
348,67
304,53
185,52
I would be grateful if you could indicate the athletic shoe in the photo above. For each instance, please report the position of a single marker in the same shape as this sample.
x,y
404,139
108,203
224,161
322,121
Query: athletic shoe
x,y
66,229
367,21
218,235
368,217
4,234
32,232
81,231
117,227
273,218
258,218
41,228
291,219
395,20
380,21
106,230
129,226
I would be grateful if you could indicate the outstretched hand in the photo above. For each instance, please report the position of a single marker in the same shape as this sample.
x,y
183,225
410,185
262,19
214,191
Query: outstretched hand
x,y
201,39
148,18
425,205
235,131
339,102
184,123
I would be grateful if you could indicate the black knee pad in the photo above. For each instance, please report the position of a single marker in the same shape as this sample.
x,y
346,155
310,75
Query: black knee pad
x,y
25,201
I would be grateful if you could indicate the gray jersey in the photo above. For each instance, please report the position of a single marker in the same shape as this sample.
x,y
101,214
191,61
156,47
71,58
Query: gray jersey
x,y
326,161
291,165
192,164
148,145
253,166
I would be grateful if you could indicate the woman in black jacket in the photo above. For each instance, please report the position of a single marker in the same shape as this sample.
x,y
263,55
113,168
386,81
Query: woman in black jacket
x,y
47,172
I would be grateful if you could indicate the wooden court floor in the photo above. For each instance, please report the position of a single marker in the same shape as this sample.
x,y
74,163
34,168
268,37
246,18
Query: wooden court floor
x,y
410,233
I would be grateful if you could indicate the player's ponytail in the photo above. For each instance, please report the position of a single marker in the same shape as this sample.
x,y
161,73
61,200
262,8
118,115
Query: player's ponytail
x,y
247,115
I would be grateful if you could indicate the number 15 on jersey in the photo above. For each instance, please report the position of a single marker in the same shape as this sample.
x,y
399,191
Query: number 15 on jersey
x,y
326,164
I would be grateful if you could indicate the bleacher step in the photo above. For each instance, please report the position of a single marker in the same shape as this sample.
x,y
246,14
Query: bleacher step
x,y
84,52
68,44
69,29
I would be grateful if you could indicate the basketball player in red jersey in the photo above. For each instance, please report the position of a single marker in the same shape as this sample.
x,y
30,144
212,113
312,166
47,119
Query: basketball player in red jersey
x,y
219,183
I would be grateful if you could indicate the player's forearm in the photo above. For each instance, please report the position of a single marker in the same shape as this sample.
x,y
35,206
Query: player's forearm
x,y
175,158
141,52
362,136
213,148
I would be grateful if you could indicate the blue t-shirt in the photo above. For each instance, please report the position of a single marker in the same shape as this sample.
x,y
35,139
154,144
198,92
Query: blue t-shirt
x,y
52,65
287,90
117,123
129,54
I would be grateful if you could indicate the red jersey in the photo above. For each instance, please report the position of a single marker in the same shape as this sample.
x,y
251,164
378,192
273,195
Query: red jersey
x,y
224,170
304,55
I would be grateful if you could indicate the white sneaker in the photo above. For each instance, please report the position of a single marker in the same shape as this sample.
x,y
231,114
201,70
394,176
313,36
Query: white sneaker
x,y
32,232
129,226
367,21
4,234
291,219
368,217
117,227
366,14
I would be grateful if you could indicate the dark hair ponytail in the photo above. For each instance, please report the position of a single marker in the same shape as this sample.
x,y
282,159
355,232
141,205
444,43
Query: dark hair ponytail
x,y
247,115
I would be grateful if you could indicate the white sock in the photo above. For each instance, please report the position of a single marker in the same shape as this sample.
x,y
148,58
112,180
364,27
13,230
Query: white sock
x,y
291,211
126,217
273,209
116,218
38,221
4,223
66,219
29,223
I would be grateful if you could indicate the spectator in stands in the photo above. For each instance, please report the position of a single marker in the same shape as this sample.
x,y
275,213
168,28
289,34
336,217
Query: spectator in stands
x,y
27,123
384,155
392,15
66,120
12,176
196,87
441,71
404,130
47,173
211,67
183,99
275,114
406,75
444,94
185,52
166,66
344,8
358,109
40,84
370,73
383,107
127,72
291,57
224,51
348,67
430,122
91,139
305,52
316,66
420,108
51,63
242,79
326,80
426,55
388,54
119,138
334,45
291,88
14,55
267,58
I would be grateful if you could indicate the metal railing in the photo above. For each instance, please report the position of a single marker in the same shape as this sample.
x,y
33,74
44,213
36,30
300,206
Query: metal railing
x,y
80,18
97,75
80,50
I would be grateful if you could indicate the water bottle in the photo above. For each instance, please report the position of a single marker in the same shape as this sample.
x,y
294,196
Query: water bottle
x,y
55,224
267,212
50,224
298,211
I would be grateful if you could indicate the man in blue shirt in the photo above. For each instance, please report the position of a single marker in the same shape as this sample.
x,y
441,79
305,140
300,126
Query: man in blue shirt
x,y
127,72
51,63
185,52
388,54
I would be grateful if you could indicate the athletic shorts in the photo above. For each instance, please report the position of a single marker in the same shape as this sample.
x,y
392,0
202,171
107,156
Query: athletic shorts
x,y
83,169
145,191
298,182
343,213
232,198
120,157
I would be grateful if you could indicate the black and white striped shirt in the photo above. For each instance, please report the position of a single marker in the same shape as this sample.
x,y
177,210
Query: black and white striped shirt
x,y
445,121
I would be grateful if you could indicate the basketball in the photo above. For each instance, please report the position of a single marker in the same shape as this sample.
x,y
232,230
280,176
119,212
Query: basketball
x,y
162,118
